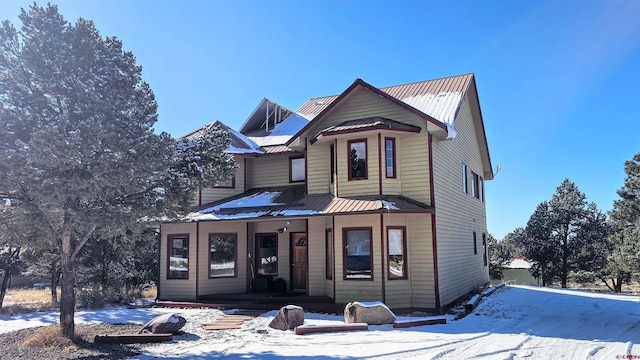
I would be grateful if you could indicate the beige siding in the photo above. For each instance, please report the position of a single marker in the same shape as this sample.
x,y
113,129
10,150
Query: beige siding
x,y
267,171
458,214
363,103
369,186
318,168
214,194
413,153
177,289
229,285
316,256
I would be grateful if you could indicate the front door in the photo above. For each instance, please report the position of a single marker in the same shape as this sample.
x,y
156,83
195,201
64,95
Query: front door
x,y
299,260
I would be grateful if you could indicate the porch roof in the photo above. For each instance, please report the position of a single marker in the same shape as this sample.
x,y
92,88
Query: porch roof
x,y
291,201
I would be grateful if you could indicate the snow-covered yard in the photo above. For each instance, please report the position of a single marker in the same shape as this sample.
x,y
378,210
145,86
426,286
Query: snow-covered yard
x,y
515,322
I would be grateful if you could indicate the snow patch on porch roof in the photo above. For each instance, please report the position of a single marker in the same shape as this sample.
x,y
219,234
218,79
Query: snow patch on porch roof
x,y
253,200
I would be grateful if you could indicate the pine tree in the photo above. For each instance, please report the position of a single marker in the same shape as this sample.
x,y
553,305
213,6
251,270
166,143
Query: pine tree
x,y
624,242
78,152
565,234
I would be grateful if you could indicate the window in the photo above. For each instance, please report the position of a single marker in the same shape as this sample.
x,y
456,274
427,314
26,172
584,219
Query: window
x,y
296,170
178,257
484,248
475,185
226,184
481,188
475,244
222,255
332,163
397,245
357,159
357,251
390,157
328,263
267,254
465,184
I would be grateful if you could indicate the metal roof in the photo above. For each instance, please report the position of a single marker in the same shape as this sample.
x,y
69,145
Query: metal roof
x,y
291,201
439,98
365,124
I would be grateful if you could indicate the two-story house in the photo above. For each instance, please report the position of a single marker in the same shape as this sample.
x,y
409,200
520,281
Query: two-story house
x,y
375,194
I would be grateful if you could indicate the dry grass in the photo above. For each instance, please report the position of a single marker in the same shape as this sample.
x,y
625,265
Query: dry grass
x,y
150,292
49,336
27,300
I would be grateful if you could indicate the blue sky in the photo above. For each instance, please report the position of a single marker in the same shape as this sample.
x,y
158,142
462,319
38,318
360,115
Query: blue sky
x,y
557,80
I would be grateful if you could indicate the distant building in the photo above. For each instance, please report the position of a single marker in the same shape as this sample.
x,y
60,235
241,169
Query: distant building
x,y
517,272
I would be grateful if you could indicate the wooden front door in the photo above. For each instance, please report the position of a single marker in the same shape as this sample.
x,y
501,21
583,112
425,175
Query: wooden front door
x,y
299,268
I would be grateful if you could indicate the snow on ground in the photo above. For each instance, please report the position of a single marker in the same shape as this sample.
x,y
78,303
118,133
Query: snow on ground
x,y
516,322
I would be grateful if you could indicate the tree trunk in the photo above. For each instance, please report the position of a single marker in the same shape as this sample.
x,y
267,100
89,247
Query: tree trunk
x,y
618,284
55,280
68,295
5,284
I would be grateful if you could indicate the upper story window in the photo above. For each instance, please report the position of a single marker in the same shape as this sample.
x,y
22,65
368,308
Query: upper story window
x,y
390,157
178,257
297,169
222,255
475,244
475,185
226,184
357,159
465,181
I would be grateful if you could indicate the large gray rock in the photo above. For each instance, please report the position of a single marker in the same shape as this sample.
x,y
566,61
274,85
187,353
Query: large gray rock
x,y
372,313
288,317
164,324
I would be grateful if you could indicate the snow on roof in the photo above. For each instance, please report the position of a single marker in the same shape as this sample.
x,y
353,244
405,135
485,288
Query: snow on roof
x,y
518,263
251,146
253,200
282,132
442,106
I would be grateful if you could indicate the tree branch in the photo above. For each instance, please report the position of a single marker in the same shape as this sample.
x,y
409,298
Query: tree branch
x,y
83,241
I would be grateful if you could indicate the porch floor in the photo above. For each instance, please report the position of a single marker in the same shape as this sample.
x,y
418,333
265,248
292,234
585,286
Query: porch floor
x,y
262,301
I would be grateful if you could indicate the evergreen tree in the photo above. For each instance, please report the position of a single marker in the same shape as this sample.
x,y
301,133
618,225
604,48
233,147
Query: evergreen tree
x,y
78,152
624,243
565,234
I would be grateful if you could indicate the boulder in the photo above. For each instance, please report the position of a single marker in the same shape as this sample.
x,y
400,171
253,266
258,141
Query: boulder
x,y
164,324
372,313
288,317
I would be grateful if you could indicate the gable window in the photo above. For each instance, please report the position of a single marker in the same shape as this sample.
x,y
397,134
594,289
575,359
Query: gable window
x,y
390,157
484,248
296,169
475,185
475,244
178,257
328,264
222,255
357,253
465,182
267,254
229,183
357,159
397,248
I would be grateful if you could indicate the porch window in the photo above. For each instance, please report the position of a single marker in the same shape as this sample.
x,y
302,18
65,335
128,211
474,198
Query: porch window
x,y
357,159
397,248
267,254
296,169
328,264
357,254
178,257
222,255
390,157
